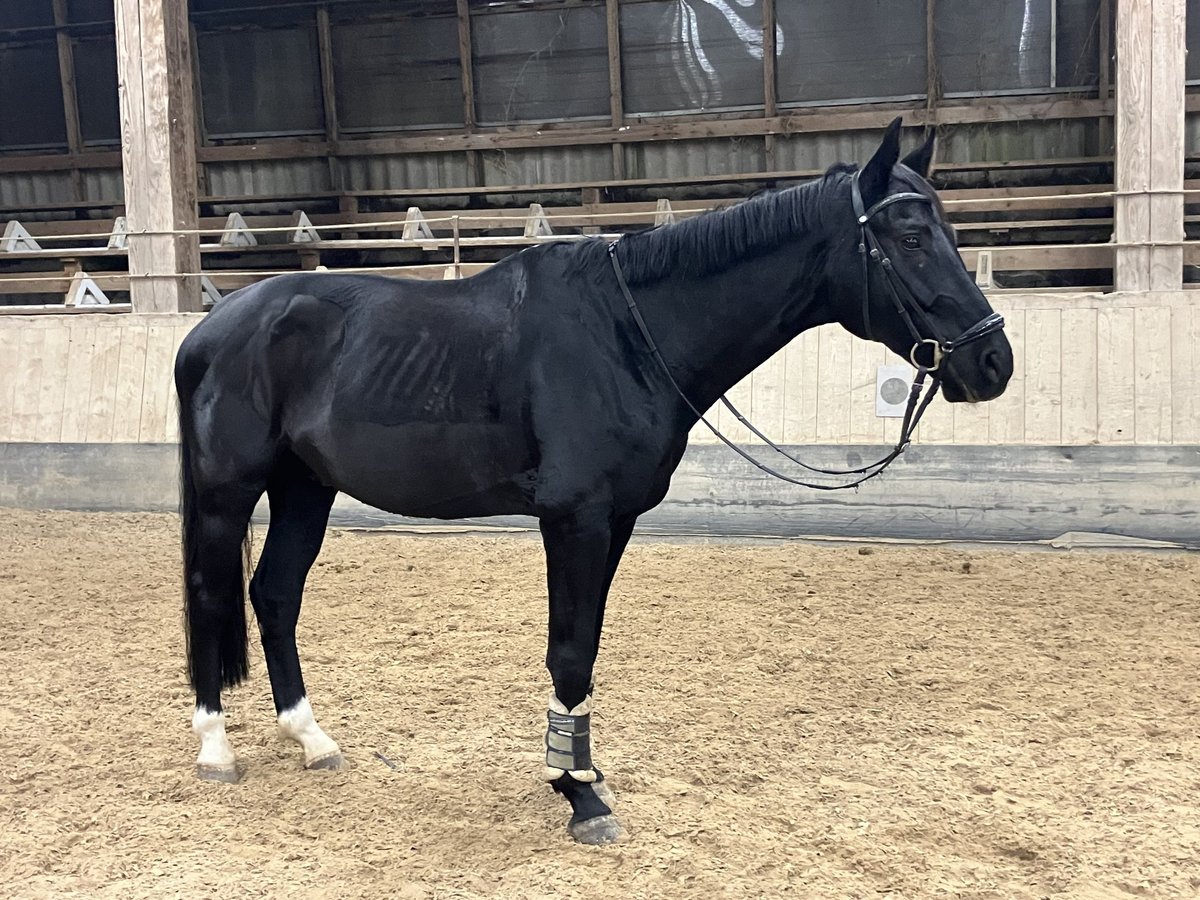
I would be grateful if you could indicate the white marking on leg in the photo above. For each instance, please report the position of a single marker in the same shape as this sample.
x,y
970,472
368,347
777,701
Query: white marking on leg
x,y
298,724
215,750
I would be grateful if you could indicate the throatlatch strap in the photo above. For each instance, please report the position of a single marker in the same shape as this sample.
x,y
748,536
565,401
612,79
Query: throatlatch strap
x,y
568,741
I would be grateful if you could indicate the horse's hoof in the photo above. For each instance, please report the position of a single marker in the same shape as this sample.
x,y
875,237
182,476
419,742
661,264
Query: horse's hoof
x,y
222,774
600,830
330,761
604,794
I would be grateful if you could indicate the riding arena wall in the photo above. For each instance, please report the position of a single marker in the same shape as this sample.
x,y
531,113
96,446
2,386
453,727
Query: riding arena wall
x,y
1099,430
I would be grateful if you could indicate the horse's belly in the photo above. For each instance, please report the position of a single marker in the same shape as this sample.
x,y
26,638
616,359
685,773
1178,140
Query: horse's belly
x,y
443,470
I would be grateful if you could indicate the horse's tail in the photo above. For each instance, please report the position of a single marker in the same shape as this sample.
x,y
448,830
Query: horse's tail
x,y
232,641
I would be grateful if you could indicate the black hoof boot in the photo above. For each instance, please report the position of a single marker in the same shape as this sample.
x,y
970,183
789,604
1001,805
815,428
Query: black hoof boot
x,y
593,821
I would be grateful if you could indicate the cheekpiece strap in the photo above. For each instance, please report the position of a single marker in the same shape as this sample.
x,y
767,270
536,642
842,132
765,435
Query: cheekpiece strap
x,y
568,741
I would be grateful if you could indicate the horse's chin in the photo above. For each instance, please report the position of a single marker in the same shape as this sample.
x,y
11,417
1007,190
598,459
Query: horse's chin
x,y
956,391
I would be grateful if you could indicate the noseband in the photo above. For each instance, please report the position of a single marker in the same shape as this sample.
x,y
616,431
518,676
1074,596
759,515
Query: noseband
x,y
903,300
905,304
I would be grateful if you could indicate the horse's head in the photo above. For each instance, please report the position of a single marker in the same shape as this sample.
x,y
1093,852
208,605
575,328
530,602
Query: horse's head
x,y
900,280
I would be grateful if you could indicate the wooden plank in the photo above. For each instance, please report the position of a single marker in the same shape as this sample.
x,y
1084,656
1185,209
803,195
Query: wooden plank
x,y
27,386
55,349
466,64
78,382
172,430
102,392
66,77
328,87
158,145
770,397
833,407
812,121
1006,417
937,427
1185,375
793,390
131,371
11,350
971,423
1115,376
616,97
1079,397
157,391
770,81
1152,387
865,359
1043,376
1166,142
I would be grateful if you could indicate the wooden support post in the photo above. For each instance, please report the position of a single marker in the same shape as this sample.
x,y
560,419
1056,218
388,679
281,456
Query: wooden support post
x,y
1148,208
616,95
467,69
158,152
1104,74
66,75
329,95
770,89
933,84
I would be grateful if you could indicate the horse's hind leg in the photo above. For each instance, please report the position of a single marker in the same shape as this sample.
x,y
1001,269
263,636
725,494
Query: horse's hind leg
x,y
216,618
299,513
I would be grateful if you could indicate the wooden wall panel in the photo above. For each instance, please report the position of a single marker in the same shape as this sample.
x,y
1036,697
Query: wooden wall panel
x,y
1109,369
78,383
1185,375
1115,376
1079,374
1043,376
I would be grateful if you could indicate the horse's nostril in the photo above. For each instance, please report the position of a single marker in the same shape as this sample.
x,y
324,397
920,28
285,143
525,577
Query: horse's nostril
x,y
991,366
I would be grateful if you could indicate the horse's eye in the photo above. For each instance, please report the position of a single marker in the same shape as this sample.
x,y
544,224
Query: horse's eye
x,y
911,242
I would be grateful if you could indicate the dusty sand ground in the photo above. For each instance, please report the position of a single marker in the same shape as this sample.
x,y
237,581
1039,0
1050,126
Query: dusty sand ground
x,y
777,719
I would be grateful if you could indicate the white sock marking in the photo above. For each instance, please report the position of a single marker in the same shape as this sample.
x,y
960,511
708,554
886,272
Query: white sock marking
x,y
299,725
215,749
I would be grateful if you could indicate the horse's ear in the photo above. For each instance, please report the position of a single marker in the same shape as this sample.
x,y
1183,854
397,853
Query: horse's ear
x,y
874,177
921,159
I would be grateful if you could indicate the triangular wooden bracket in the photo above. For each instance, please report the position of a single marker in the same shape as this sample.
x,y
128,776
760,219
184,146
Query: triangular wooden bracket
x,y
415,226
663,214
118,239
17,240
983,269
237,233
85,292
208,291
536,223
305,233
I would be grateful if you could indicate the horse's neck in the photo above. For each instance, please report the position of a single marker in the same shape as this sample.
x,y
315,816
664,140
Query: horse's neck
x,y
716,329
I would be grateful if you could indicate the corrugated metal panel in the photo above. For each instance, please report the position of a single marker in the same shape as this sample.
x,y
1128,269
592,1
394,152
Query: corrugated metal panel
x,y
820,151
1001,141
1191,135
551,165
25,189
683,159
417,170
267,177
104,184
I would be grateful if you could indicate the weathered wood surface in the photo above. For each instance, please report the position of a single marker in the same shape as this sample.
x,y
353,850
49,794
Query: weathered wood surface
x,y
1090,368
158,146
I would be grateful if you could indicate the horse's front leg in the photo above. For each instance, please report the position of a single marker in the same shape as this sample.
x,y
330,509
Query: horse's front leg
x,y
577,564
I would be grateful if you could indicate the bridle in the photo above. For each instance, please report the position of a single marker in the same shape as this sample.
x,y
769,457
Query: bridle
x,y
903,300
905,304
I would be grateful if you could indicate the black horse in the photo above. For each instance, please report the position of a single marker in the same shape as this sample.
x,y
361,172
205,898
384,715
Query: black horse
x,y
531,389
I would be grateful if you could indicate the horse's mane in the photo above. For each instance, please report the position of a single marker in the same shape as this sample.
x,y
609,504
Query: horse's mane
x,y
713,241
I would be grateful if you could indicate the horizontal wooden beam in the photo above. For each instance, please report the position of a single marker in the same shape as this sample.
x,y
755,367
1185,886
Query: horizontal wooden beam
x,y
814,121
